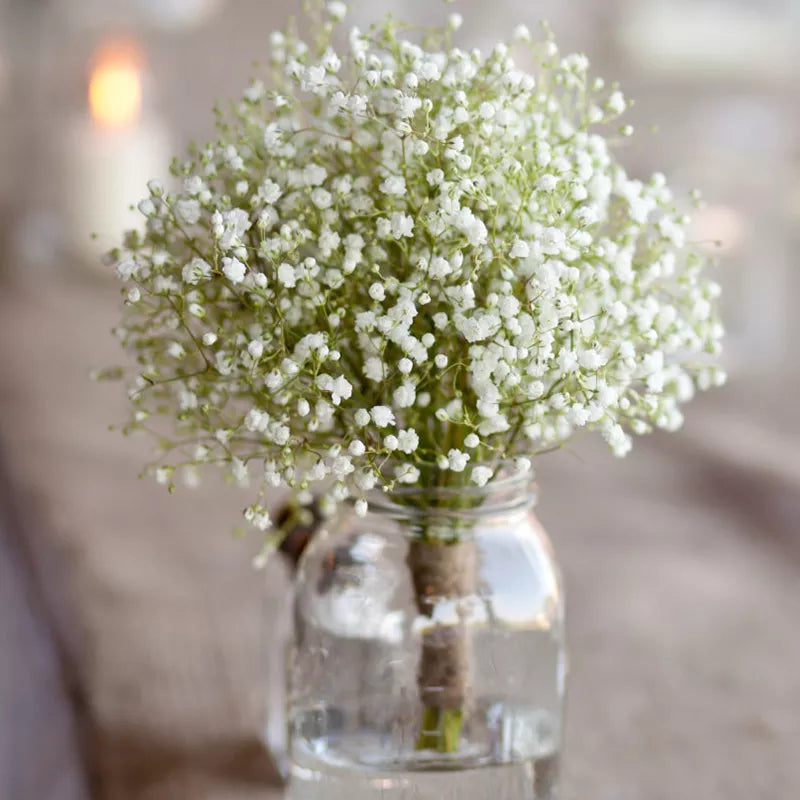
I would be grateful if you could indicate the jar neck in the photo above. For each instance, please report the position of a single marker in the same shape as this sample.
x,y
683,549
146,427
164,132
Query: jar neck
x,y
439,496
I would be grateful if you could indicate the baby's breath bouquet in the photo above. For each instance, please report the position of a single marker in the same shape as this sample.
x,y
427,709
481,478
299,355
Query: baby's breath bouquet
x,y
403,262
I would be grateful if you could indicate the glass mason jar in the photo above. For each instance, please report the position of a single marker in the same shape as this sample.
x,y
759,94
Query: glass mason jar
x,y
428,657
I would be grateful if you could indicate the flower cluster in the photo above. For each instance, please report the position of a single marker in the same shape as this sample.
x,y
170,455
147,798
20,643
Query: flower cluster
x,y
407,255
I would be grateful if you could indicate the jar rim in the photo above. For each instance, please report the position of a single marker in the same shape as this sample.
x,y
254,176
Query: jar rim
x,y
509,488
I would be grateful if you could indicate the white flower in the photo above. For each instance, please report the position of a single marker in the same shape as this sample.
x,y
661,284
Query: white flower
x,y
269,191
402,225
382,416
520,249
439,267
337,10
390,442
373,368
547,183
486,110
435,177
196,270
362,417
408,105
440,359
408,440
393,185
361,507
521,34
230,226
616,102
522,464
406,473
255,348
377,291
233,269
457,460
209,338
480,475
188,209
287,276
321,198
175,349
405,395
356,448
340,389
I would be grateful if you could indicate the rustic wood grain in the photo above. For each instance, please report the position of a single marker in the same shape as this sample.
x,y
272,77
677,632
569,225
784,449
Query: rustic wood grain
x,y
40,753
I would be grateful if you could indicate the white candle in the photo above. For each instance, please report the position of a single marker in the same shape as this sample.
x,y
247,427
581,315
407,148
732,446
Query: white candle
x,y
111,153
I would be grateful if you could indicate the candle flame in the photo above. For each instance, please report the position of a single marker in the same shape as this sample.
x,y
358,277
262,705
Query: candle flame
x,y
115,85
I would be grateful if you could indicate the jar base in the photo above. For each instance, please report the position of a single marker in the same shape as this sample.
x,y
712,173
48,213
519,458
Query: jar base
x,y
313,778
354,767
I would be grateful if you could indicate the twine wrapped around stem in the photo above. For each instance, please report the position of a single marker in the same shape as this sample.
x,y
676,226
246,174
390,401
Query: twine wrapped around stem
x,y
439,570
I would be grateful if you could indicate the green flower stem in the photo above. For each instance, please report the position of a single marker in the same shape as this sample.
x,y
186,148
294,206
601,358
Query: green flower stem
x,y
441,729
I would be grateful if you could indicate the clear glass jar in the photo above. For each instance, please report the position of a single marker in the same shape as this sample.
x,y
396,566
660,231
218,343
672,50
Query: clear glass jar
x,y
428,658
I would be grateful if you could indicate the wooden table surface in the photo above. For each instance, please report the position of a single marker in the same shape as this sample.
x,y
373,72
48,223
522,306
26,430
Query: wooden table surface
x,y
683,578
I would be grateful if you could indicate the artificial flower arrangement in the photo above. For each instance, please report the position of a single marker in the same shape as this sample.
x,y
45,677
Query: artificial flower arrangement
x,y
405,263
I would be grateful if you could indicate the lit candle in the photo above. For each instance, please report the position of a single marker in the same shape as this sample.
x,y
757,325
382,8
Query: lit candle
x,y
112,153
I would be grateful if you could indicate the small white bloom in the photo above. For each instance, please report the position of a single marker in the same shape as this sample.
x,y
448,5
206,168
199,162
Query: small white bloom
x,y
405,395
356,448
520,249
373,369
439,267
393,185
233,269
361,507
377,291
321,198
340,389
382,416
209,338
188,209
126,269
195,271
408,440
616,102
402,225
486,110
406,473
547,183
521,34
481,475
522,464
390,442
440,320
287,276
455,21
255,348
457,460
